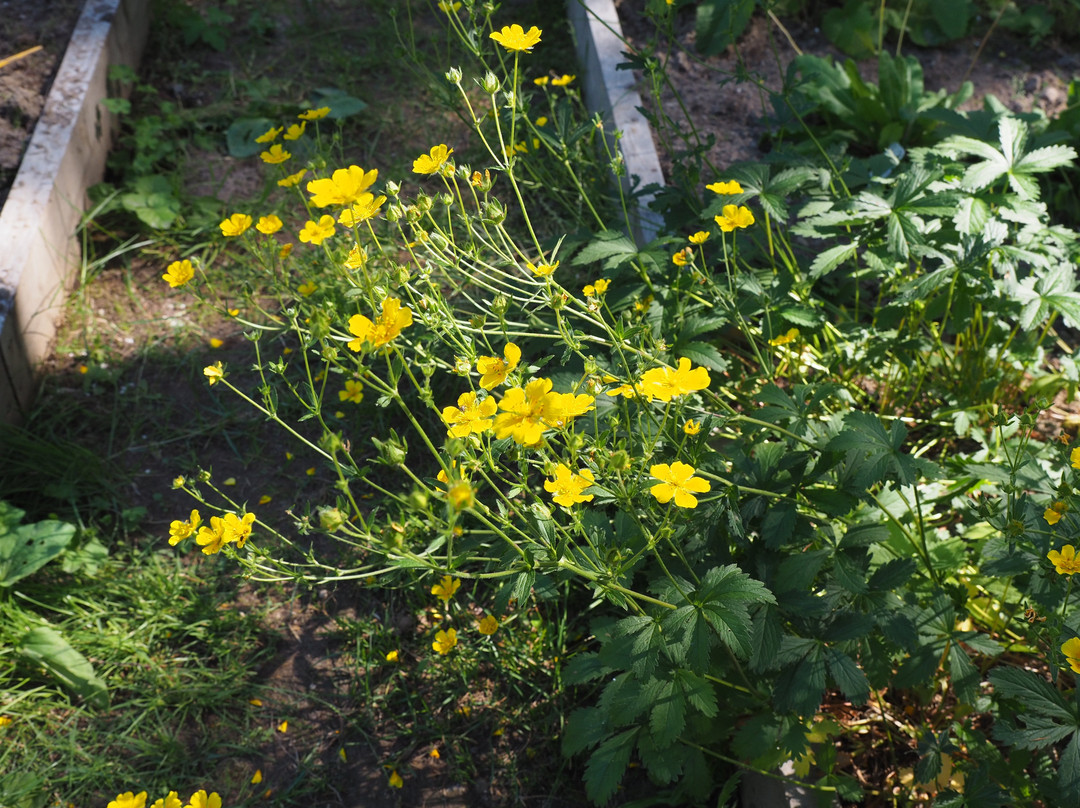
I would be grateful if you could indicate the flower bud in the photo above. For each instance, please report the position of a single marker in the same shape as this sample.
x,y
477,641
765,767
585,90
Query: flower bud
x,y
393,188
490,83
331,518
499,305
447,198
453,75
494,214
394,212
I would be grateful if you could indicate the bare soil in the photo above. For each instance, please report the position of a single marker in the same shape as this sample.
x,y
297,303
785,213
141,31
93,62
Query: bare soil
x,y
1021,77
25,83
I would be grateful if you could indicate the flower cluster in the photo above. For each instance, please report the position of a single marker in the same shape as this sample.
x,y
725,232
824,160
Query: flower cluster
x,y
200,799
230,529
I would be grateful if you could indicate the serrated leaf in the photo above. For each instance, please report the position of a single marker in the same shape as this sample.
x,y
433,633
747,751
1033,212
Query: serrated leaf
x,y
701,353
668,715
586,726
1068,781
848,676
1037,695
800,687
830,259
607,765
610,247
584,667
699,692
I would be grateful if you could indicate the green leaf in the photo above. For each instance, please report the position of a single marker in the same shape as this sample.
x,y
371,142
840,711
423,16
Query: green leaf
x,y
698,692
719,23
827,261
607,765
1068,782
853,29
800,687
28,548
585,667
848,676
1037,695
586,726
341,104
668,715
153,201
46,647
241,134
701,353
610,247
866,439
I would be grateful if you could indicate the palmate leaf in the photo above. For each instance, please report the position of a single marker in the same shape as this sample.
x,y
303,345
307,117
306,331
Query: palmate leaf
x,y
1037,695
1012,160
865,437
1069,775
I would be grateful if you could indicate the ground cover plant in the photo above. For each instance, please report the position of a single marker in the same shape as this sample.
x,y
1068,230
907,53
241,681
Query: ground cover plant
x,y
778,483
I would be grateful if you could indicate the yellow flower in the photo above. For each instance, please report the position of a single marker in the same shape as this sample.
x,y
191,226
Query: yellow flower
x,y
395,778
1065,562
257,777
216,342
445,588
201,799
461,495
729,188
295,132
178,531
270,135
543,269
286,250
268,225
791,335
567,486
562,80
393,319
527,413
700,237
665,383
178,273
514,38
1074,458
214,373
354,392
1053,514
283,726
488,625
237,529
314,114
1071,650
493,370
678,481
364,208
682,257
307,289
255,702
392,656
540,81
469,416
5,721
445,641
172,800
597,287
434,751
343,187
445,5
734,218
275,155
235,225
691,427
129,800
292,179
432,162
541,121
317,232
265,499
356,258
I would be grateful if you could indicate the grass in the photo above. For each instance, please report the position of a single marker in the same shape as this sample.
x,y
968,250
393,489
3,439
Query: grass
x,y
184,646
